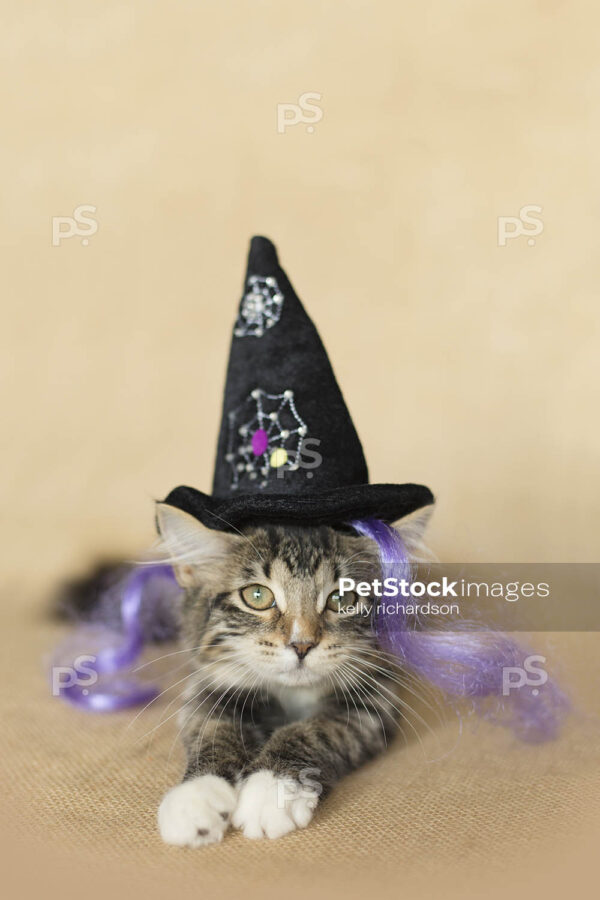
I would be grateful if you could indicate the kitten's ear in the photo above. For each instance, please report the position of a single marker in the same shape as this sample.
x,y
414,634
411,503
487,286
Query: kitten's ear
x,y
189,544
411,529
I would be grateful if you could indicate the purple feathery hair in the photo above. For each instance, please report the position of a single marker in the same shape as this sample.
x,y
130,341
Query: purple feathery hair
x,y
463,662
131,613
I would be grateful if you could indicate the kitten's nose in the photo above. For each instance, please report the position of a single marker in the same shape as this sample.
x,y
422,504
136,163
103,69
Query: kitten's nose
x,y
301,648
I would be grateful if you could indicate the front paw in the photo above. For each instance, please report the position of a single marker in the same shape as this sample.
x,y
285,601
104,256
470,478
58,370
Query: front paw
x,y
270,805
196,812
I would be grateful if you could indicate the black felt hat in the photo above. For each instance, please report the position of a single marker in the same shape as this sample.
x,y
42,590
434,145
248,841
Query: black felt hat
x,y
288,450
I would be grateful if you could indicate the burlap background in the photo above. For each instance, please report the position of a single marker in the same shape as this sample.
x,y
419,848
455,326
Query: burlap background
x,y
443,813
468,366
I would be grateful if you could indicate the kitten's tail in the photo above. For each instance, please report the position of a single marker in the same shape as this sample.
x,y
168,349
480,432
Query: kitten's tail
x,y
79,599
96,598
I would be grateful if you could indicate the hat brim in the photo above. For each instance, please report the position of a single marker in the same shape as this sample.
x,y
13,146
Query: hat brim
x,y
336,507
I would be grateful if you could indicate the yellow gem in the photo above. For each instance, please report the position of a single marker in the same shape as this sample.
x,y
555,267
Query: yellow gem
x,y
278,457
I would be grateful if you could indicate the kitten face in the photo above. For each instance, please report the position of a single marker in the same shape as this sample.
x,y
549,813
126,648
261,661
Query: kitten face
x,y
261,601
299,639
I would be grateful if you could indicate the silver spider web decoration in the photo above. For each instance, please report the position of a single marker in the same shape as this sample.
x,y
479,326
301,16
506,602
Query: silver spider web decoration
x,y
265,438
260,308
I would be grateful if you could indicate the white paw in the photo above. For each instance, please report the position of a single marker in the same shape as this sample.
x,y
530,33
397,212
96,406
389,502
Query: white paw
x,y
196,812
271,806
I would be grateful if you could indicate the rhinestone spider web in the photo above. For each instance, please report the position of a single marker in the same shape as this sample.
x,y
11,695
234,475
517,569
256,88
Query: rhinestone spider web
x,y
260,308
265,436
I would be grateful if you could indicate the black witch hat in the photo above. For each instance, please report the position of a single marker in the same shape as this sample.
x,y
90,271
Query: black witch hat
x,y
288,451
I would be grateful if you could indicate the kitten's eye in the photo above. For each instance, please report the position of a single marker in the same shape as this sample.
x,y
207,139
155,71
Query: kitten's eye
x,y
337,603
257,596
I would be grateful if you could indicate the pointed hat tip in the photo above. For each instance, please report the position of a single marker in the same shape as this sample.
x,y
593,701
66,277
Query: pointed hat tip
x,y
262,258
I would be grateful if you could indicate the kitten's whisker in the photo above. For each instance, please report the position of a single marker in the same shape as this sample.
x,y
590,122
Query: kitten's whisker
x,y
405,685
254,686
377,682
174,653
154,699
168,688
164,656
348,559
208,718
151,732
259,687
405,705
241,714
334,687
357,712
339,679
216,725
393,671
241,534
231,655
396,722
360,690
160,724
236,668
257,679
396,667
240,667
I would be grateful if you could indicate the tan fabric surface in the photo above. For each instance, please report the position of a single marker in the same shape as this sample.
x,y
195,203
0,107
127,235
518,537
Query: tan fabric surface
x,y
440,808
468,366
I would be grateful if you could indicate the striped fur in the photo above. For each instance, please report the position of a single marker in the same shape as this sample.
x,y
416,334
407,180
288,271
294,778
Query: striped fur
x,y
252,705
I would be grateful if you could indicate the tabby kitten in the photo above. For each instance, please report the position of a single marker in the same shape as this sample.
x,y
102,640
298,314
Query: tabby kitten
x,y
290,690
